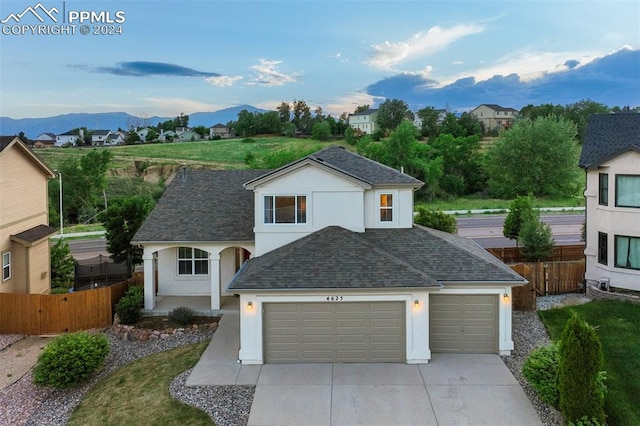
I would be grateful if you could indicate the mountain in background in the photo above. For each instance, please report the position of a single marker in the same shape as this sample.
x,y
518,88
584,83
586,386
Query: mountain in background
x,y
32,127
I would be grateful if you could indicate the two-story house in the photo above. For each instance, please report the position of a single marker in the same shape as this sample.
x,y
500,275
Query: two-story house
x,y
24,219
494,116
221,131
100,137
611,159
337,271
69,138
365,122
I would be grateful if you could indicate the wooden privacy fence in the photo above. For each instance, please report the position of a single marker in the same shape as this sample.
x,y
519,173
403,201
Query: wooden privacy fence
x,y
560,253
38,314
544,279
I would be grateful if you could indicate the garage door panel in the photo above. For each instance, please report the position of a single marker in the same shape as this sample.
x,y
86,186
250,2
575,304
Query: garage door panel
x,y
334,332
463,323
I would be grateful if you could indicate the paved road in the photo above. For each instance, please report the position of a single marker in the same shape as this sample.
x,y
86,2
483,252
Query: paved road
x,y
487,230
87,249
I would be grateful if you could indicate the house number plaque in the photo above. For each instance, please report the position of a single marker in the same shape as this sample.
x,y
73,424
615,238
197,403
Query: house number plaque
x,y
334,298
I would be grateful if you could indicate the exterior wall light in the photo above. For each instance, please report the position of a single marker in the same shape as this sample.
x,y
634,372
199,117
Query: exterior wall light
x,y
416,303
249,305
505,297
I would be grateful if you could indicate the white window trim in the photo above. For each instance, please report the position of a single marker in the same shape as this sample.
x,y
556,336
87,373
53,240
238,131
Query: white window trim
x,y
6,254
393,208
193,262
274,223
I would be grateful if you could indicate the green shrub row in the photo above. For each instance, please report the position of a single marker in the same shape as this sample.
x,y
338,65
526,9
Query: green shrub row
x,y
128,307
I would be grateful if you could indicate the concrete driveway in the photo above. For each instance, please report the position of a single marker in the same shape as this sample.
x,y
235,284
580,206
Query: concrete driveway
x,y
450,390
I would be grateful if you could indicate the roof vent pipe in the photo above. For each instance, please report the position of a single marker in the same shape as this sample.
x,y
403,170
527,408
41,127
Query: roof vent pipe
x,y
402,169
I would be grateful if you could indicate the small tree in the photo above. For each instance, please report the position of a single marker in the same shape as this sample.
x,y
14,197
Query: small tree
x,y
321,131
62,264
535,240
122,220
436,220
520,210
578,370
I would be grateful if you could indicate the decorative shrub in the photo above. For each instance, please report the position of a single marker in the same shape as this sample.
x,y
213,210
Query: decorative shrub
x,y
128,307
541,370
585,421
181,315
578,371
436,220
70,359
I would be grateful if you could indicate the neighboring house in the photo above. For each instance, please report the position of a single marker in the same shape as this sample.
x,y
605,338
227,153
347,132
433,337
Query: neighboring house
x,y
100,137
167,136
611,159
115,138
222,131
338,271
24,219
68,138
494,116
188,135
364,121
142,133
47,136
417,121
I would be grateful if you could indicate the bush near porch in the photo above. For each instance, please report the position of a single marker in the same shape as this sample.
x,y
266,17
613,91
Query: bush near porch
x,y
618,326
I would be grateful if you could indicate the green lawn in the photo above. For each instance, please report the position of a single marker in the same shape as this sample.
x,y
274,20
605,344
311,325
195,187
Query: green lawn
x,y
618,325
224,153
138,393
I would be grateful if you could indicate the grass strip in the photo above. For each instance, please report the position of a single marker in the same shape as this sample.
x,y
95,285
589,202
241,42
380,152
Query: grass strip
x,y
618,326
138,393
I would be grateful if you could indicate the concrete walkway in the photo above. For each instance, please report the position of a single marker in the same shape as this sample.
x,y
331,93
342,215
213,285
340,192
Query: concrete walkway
x,y
450,390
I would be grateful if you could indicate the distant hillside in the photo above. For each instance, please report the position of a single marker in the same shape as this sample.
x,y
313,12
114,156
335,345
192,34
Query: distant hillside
x,y
32,127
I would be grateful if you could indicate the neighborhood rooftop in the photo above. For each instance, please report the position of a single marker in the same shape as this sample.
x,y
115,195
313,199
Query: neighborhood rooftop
x,y
609,135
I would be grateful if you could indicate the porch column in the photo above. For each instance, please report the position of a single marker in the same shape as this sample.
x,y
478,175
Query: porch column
x,y
215,280
149,277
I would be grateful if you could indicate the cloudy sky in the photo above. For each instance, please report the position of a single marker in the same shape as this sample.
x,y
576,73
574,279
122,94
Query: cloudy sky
x,y
192,56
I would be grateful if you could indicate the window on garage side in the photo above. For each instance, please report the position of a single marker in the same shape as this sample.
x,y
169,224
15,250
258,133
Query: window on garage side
x,y
627,190
603,189
386,207
6,266
285,209
192,261
627,252
603,249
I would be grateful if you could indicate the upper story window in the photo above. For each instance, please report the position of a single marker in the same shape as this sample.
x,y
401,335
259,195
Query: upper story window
x,y
627,252
627,190
603,248
192,261
6,266
386,207
603,189
285,209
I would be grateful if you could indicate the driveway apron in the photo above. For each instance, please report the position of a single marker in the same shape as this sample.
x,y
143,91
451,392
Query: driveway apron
x,y
451,390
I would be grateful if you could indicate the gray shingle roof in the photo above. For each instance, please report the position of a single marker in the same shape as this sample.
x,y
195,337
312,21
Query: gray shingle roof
x,y
34,234
609,135
335,258
355,165
204,205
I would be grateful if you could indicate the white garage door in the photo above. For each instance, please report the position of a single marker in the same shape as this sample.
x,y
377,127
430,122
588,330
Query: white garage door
x,y
463,323
334,332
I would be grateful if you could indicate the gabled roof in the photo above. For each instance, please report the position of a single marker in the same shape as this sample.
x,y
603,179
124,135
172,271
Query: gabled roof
x,y
608,136
100,132
496,107
69,133
203,205
7,142
350,164
217,126
367,112
335,258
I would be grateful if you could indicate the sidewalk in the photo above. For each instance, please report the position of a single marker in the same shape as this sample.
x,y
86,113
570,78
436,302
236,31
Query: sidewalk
x,y
79,234
540,209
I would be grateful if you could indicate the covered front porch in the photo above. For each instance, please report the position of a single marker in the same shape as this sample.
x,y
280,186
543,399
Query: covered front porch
x,y
200,305
193,275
